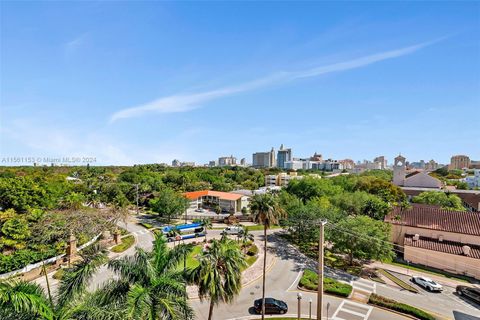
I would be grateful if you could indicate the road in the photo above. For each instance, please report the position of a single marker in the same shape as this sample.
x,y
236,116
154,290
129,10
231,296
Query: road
x,y
282,283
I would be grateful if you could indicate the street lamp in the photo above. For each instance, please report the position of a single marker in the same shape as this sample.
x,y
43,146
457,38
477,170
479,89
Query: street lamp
x,y
310,309
299,298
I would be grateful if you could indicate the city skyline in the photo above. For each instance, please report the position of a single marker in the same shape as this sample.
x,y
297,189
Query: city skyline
x,y
153,82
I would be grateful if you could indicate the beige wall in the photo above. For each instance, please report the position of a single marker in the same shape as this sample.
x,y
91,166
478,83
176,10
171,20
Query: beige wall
x,y
398,233
444,261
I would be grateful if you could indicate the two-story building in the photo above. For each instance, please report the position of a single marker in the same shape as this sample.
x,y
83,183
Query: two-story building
x,y
443,239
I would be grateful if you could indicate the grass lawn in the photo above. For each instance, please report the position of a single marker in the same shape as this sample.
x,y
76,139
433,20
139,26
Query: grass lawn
x,y
260,227
126,243
431,271
398,281
192,261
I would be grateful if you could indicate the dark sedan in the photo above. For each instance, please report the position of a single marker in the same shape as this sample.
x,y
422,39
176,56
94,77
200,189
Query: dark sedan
x,y
469,293
272,306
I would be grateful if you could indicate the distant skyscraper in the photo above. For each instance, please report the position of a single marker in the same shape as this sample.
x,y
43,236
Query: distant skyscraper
x,y
283,155
264,159
176,163
382,161
243,162
227,161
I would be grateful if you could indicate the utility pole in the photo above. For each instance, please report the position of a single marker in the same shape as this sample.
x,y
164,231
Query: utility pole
x,y
320,270
137,197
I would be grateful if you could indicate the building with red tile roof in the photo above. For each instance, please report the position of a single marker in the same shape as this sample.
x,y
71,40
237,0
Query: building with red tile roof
x,y
228,202
443,239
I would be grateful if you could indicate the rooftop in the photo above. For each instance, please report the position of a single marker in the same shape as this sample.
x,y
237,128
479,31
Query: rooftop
x,y
435,218
451,247
219,194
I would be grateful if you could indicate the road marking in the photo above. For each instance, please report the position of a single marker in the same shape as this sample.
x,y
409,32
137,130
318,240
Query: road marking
x,y
344,307
364,285
295,281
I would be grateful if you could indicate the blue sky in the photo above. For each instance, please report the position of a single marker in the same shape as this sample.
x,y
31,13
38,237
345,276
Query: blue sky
x,y
144,82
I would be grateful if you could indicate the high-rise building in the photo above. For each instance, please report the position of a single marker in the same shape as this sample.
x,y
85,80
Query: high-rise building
x,y
243,162
459,162
227,161
283,155
176,163
264,159
382,161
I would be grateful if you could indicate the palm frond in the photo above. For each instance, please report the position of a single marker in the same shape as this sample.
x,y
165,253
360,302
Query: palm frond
x,y
20,298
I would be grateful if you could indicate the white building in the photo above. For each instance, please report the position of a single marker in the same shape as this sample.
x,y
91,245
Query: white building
x,y
473,181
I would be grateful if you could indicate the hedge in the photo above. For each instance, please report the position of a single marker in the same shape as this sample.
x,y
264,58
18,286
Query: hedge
x,y
400,307
127,242
309,281
147,225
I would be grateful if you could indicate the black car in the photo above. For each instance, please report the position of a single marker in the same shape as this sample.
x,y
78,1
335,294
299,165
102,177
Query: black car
x,y
469,293
272,306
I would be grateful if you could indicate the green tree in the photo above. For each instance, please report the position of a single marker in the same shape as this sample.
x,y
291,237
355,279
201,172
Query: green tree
x,y
206,223
219,273
267,211
361,237
438,198
23,300
309,188
149,286
169,204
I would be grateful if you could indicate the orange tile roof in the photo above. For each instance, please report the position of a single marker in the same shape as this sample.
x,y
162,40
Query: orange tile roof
x,y
446,246
219,194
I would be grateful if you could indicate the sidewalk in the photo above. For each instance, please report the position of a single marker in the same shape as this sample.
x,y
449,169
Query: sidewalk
x,y
442,280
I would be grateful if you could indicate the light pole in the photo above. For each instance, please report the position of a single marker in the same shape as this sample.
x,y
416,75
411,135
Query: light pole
x,y
320,270
328,307
310,309
137,197
299,298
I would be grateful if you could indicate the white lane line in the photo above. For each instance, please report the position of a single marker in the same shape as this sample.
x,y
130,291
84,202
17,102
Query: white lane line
x,y
343,307
358,314
295,281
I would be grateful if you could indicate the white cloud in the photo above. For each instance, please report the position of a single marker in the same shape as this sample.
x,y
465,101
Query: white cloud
x,y
186,102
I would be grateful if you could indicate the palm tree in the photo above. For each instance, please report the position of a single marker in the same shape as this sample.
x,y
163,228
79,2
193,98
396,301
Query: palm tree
x,y
23,300
219,273
246,236
267,212
149,284
206,223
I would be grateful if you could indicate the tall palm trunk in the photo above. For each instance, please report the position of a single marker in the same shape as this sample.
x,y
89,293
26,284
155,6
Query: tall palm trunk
x,y
264,268
210,311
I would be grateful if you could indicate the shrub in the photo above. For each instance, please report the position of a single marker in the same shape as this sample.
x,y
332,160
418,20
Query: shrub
x,y
58,274
127,242
252,251
309,281
400,307
147,225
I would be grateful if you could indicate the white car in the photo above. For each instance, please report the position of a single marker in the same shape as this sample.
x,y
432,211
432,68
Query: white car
x,y
427,283
232,230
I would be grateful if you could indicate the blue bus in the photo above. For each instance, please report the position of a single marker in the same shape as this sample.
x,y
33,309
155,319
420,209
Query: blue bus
x,y
185,231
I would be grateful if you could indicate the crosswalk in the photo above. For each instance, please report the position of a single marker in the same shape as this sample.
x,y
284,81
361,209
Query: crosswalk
x,y
140,232
364,285
352,311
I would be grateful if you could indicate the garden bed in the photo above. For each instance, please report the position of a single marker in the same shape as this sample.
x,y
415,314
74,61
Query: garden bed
x,y
397,281
309,281
127,242
399,307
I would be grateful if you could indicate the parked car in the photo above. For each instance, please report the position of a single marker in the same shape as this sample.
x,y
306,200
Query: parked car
x,y
272,306
200,210
469,293
233,230
427,283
